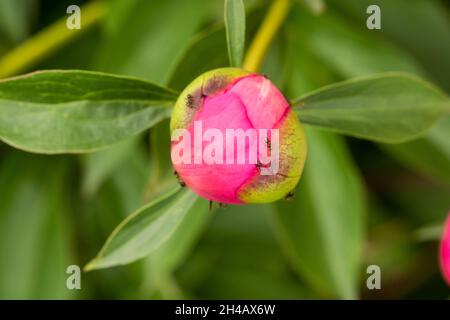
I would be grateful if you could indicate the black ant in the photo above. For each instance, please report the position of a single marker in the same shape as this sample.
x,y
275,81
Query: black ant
x,y
221,205
258,165
180,181
289,196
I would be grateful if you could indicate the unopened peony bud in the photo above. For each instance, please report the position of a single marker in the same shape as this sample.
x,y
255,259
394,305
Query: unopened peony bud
x,y
235,139
444,254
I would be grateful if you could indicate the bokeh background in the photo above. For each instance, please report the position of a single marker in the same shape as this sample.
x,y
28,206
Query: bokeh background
x,y
359,203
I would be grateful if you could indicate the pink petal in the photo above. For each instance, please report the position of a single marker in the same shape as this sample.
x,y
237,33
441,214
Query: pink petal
x,y
445,251
218,182
265,104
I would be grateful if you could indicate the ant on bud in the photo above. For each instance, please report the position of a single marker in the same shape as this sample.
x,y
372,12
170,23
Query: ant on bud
x,y
221,205
180,181
258,165
289,196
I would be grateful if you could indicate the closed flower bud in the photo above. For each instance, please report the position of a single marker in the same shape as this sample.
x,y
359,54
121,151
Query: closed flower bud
x,y
235,138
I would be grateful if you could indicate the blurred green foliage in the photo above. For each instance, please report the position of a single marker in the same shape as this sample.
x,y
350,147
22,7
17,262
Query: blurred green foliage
x,y
359,203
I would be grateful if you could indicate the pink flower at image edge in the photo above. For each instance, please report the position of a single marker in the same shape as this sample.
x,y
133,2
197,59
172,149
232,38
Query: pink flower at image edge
x,y
444,254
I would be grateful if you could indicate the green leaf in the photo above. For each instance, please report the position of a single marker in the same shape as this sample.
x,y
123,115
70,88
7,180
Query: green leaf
x,y
234,14
35,247
77,111
429,155
145,230
175,250
391,107
98,166
162,177
321,228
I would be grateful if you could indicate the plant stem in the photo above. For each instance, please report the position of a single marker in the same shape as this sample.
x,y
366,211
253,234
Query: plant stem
x,y
269,27
49,40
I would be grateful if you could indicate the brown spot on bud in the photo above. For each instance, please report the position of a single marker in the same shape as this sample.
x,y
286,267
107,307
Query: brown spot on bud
x,y
190,101
215,84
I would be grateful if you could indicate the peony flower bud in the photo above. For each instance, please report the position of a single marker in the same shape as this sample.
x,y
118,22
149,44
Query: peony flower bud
x,y
235,138
444,254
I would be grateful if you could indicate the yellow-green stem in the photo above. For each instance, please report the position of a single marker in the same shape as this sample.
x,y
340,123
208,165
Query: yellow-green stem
x,y
269,27
48,40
